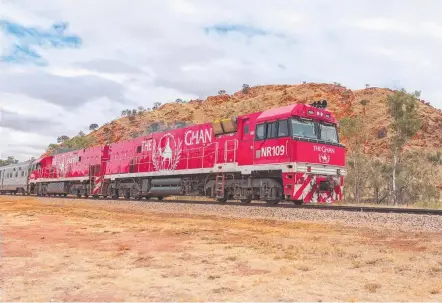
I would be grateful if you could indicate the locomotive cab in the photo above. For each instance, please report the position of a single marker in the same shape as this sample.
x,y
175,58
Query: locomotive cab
x,y
305,137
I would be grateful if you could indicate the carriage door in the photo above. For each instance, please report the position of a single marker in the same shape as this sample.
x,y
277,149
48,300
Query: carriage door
x,y
245,145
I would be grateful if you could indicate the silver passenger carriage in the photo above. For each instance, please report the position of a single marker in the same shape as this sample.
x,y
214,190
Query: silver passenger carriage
x,y
14,178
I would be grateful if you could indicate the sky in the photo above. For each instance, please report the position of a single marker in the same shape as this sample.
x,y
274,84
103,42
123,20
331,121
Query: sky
x,y
67,64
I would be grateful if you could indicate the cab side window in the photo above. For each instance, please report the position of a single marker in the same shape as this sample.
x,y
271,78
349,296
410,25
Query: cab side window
x,y
260,132
272,130
283,128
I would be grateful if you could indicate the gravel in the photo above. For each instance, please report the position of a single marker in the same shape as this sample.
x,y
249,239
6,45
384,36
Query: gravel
x,y
397,222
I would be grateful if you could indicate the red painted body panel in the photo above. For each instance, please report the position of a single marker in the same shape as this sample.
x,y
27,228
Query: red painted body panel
x,y
68,165
311,152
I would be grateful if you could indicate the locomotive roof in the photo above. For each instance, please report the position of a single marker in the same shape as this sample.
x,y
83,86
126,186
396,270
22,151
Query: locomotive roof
x,y
300,110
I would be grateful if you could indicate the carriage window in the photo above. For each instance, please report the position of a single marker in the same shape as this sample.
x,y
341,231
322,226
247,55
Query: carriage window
x,y
139,149
272,130
246,129
260,132
283,128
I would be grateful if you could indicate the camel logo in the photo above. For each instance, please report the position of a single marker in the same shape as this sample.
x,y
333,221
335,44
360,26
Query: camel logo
x,y
167,153
324,158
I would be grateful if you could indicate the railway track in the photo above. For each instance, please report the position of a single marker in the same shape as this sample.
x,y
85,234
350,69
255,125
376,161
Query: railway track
x,y
361,209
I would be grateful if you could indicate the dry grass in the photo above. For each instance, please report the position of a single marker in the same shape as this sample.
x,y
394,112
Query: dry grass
x,y
372,287
82,252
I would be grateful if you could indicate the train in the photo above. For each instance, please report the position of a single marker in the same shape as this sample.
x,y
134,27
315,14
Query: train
x,y
289,153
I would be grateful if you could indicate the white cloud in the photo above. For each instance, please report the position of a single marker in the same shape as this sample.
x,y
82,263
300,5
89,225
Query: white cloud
x,y
141,52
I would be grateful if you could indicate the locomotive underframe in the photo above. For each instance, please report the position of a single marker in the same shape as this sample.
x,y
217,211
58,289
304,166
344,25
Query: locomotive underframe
x,y
265,186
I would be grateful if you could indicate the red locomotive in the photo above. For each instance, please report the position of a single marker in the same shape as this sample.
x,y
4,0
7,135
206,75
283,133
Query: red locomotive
x,y
288,153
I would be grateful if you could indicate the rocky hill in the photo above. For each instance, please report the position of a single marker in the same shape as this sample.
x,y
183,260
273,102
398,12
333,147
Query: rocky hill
x,y
341,101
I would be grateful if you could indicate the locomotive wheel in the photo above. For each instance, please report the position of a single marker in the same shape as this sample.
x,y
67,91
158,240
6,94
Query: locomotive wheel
x,y
272,202
246,201
221,200
160,198
298,202
115,197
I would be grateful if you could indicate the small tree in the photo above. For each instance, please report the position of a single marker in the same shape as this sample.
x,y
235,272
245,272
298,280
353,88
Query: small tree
x,y
81,133
179,100
8,161
353,131
180,124
222,92
436,158
141,109
156,105
126,112
62,139
153,127
93,126
367,85
402,108
382,133
414,179
134,112
364,103
245,88
378,181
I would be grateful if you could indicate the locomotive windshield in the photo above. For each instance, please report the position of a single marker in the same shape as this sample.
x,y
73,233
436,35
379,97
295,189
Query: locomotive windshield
x,y
313,130
304,129
329,133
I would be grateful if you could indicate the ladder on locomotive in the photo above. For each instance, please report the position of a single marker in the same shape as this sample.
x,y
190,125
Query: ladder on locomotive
x,y
220,183
95,180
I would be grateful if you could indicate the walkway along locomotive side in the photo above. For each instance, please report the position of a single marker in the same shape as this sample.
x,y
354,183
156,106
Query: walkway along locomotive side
x,y
287,153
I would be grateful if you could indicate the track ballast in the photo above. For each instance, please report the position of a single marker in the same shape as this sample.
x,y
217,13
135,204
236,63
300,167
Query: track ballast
x,y
361,209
